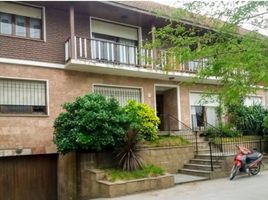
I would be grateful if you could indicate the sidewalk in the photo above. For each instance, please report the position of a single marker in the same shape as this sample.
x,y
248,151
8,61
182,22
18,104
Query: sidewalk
x,y
242,187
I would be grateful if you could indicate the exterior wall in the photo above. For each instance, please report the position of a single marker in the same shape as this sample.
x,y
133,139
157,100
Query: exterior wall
x,y
169,158
36,132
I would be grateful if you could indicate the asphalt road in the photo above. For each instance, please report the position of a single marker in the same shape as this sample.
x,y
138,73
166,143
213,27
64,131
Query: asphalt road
x,y
242,187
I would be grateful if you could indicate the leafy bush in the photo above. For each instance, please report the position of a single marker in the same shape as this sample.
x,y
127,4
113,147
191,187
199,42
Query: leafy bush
x,y
265,125
142,118
224,130
90,123
248,120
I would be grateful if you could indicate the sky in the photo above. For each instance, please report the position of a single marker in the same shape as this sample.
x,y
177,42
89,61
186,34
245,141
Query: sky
x,y
247,25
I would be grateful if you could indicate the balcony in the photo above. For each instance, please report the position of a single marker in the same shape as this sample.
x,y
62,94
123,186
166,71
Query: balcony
x,y
118,55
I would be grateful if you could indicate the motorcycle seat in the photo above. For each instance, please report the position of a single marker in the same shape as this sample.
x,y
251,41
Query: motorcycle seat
x,y
253,156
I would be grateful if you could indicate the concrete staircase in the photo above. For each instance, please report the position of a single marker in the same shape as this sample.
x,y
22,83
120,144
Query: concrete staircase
x,y
200,165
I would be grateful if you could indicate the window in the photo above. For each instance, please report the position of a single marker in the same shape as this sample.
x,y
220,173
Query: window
x,y
20,20
203,110
23,97
5,24
122,94
35,28
253,100
20,28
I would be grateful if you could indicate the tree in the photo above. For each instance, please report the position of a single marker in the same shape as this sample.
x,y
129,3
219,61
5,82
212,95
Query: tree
x,y
236,58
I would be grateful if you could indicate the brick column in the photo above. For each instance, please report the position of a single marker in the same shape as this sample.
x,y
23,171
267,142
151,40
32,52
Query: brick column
x,y
67,177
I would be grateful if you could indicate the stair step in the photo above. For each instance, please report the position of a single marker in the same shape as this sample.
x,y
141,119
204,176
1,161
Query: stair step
x,y
204,161
186,178
195,172
206,156
201,167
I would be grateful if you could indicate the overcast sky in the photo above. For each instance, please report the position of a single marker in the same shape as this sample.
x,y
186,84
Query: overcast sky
x,y
245,25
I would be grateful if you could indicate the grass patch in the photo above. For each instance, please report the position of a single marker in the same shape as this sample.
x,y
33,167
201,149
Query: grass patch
x,y
148,171
166,140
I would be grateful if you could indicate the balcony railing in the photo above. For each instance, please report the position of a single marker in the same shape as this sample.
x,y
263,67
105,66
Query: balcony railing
x,y
103,51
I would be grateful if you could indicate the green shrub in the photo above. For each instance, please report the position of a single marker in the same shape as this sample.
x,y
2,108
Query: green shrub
x,y
224,130
90,123
265,125
248,120
142,118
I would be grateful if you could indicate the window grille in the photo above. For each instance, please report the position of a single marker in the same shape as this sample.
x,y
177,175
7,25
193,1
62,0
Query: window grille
x,y
23,96
122,94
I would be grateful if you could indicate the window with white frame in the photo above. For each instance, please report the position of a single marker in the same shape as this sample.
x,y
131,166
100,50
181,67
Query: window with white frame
x,y
21,20
122,94
203,110
23,96
253,100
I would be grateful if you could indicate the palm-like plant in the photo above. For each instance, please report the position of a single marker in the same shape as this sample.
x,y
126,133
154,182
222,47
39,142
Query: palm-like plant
x,y
128,155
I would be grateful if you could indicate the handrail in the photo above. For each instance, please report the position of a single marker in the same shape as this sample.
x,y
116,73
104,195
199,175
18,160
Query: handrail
x,y
192,137
169,116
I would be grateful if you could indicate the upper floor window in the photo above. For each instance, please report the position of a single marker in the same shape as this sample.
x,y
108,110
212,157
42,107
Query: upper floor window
x,y
23,97
5,23
20,20
35,28
20,26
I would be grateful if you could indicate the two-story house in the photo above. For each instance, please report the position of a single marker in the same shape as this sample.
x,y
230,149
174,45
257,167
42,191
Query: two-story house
x,y
52,52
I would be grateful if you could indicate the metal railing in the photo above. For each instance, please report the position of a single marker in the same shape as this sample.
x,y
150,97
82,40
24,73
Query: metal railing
x,y
220,145
173,125
103,51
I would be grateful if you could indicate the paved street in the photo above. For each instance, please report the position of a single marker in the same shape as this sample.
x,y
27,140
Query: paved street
x,y
242,187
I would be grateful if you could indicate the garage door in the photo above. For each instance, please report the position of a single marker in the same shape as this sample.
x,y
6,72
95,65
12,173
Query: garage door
x,y
28,177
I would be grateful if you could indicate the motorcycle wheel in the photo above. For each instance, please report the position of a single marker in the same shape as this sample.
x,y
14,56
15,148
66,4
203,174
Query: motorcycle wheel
x,y
233,172
256,170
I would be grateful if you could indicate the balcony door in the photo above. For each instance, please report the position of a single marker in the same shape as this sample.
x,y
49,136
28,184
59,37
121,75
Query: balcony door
x,y
114,43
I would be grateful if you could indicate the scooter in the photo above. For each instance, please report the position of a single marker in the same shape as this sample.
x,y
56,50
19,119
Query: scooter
x,y
246,161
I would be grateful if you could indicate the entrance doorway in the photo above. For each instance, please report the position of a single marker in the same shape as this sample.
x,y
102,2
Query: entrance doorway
x,y
167,107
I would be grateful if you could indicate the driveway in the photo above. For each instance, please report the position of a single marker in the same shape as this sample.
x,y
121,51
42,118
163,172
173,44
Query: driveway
x,y
242,187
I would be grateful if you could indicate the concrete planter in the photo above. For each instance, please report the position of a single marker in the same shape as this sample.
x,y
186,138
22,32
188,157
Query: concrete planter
x,y
98,187
120,188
